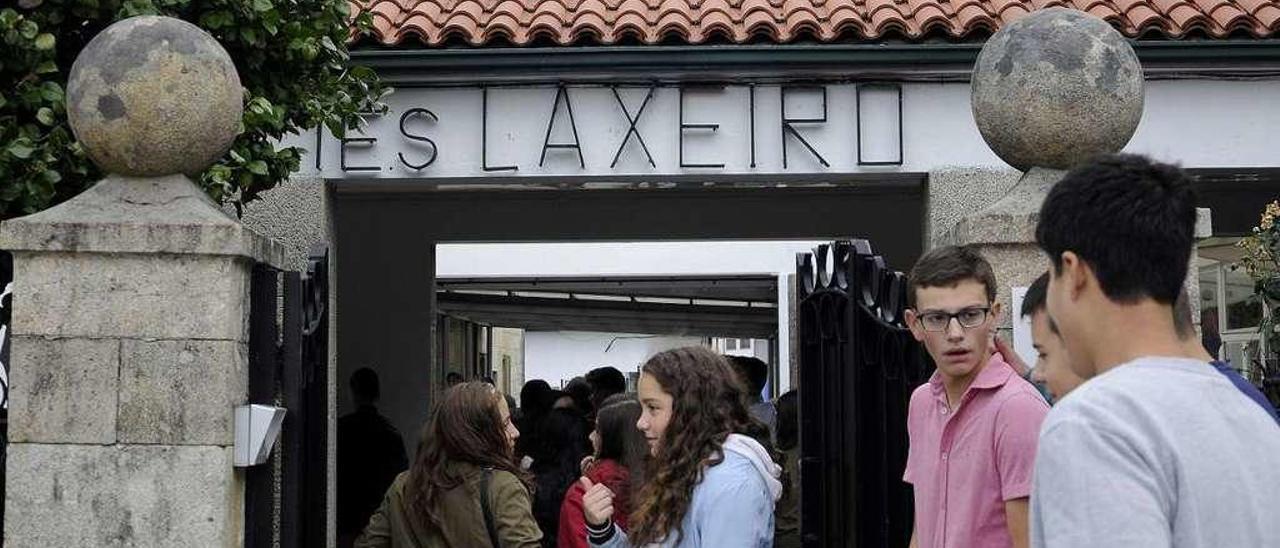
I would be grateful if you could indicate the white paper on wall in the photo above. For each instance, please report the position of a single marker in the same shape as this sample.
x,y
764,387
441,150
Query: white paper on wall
x,y
1022,329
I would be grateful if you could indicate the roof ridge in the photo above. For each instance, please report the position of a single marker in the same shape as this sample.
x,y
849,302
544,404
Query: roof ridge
x,y
524,22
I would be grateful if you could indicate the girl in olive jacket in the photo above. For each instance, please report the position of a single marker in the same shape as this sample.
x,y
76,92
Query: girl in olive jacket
x,y
464,488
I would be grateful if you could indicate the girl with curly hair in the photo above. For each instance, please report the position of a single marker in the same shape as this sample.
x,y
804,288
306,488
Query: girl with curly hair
x,y
712,479
464,487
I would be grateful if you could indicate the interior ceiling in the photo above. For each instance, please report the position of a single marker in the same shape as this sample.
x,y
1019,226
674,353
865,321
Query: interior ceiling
x,y
741,306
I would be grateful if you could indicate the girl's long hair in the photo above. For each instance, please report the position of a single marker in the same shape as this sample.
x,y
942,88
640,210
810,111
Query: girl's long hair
x,y
620,440
465,426
708,405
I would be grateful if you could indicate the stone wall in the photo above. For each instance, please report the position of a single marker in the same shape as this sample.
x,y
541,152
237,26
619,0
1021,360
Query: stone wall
x,y
295,214
129,354
955,192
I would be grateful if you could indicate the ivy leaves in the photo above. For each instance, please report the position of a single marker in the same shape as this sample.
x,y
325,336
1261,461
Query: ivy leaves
x,y
37,151
292,60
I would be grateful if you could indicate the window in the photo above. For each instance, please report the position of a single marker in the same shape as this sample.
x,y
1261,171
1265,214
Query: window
x,y
1243,307
1242,352
1230,313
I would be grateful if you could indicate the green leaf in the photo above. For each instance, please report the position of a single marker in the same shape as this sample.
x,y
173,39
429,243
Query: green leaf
x,y
260,105
10,193
21,149
292,56
51,91
28,29
336,127
217,19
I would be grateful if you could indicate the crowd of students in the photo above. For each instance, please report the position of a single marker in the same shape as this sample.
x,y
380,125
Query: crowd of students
x,y
1149,441
687,460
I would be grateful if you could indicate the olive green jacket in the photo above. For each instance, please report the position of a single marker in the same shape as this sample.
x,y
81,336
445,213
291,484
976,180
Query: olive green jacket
x,y
462,519
786,524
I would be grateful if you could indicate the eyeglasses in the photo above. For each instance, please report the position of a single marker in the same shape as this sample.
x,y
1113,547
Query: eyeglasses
x,y
969,318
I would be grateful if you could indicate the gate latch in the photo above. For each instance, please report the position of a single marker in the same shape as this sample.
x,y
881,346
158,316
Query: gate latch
x,y
256,430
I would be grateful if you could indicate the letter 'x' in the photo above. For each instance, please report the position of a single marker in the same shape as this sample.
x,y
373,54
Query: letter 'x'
x,y
632,129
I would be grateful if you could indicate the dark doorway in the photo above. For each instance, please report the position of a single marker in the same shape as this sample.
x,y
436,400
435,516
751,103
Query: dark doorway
x,y
386,233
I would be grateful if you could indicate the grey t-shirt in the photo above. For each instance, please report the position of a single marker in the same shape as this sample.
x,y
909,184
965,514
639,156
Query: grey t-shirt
x,y
1158,452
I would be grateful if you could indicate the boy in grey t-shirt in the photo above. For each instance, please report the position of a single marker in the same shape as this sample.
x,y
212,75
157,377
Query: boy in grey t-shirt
x,y
1156,449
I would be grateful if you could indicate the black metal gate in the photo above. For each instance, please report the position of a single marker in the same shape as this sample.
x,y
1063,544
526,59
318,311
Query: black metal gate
x,y
858,366
286,500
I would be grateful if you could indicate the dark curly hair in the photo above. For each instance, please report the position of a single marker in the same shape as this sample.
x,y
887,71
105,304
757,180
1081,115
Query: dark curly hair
x,y
708,405
465,425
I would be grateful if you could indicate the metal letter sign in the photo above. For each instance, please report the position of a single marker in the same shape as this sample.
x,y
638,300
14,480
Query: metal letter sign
x,y
684,126
551,123
858,96
403,131
461,133
787,126
362,141
484,135
631,127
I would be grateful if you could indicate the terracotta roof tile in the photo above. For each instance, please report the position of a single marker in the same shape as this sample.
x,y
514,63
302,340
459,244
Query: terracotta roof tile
x,y
1230,16
1268,16
566,22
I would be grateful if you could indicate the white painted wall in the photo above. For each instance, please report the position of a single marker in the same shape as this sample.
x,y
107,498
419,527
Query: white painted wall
x,y
1210,123
1198,123
558,356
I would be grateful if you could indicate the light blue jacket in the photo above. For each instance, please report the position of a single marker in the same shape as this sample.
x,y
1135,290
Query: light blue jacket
x,y
733,505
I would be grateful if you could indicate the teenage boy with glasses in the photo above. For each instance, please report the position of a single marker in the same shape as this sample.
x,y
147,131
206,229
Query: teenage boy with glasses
x,y
973,426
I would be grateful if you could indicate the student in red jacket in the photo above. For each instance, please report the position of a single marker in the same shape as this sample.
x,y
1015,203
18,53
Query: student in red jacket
x,y
618,462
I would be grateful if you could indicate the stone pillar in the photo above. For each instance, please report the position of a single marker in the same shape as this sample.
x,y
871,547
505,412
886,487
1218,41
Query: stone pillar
x,y
1005,232
1050,91
131,310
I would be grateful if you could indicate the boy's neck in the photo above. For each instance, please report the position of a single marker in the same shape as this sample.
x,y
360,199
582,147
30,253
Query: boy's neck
x,y
955,387
1127,332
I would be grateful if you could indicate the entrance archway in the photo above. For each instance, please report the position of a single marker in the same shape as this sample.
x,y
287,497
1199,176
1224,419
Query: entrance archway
x,y
385,237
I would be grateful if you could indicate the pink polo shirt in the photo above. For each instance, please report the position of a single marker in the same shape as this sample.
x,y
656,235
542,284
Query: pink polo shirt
x,y
964,465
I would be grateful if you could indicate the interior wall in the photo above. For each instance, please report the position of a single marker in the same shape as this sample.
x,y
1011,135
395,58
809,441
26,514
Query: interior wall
x,y
558,356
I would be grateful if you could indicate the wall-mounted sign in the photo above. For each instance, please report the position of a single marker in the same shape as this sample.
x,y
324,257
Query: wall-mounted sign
x,y
606,130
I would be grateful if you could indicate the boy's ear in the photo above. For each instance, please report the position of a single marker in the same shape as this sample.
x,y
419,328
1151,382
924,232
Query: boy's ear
x,y
1075,275
914,324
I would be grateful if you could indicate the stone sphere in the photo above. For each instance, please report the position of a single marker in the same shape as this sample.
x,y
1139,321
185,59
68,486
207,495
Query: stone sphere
x,y
152,96
1056,88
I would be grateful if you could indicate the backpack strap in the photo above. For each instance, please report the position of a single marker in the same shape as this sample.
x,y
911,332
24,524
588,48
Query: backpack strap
x,y
486,479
